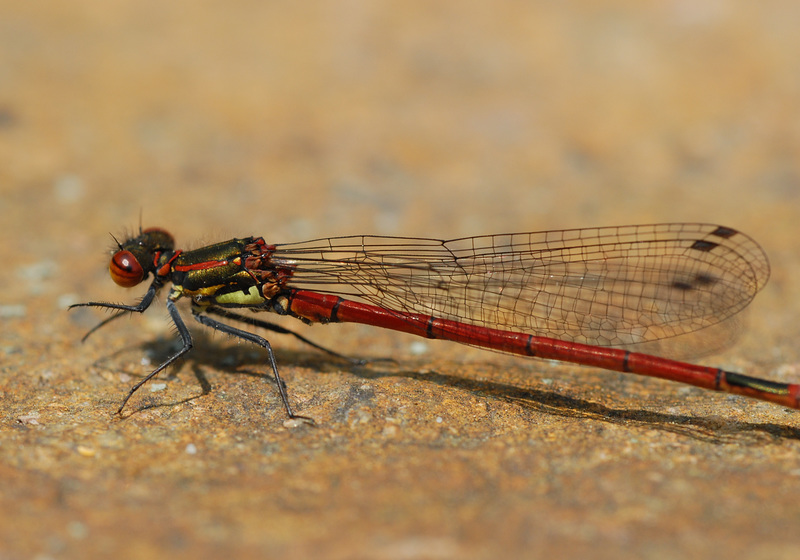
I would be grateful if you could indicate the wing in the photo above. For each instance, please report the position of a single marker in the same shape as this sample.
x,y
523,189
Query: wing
x,y
606,286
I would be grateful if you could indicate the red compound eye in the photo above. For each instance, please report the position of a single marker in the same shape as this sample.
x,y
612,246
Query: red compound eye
x,y
125,269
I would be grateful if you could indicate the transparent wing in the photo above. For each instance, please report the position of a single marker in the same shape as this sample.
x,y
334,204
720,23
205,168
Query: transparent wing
x,y
605,286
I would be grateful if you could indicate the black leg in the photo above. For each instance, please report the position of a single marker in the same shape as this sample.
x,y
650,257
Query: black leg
x,y
122,309
278,329
186,337
255,339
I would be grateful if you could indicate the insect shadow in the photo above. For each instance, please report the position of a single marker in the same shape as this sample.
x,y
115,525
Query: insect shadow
x,y
716,429
209,353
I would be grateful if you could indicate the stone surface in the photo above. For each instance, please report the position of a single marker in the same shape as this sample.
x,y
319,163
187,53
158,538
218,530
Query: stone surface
x,y
445,119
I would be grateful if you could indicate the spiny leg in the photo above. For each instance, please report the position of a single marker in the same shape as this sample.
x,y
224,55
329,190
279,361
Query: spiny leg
x,y
260,341
186,338
122,309
279,329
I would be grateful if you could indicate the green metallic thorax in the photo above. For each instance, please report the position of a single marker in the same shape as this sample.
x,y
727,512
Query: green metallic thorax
x,y
233,273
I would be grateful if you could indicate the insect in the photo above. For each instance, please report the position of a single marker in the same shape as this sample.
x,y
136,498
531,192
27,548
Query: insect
x,y
569,295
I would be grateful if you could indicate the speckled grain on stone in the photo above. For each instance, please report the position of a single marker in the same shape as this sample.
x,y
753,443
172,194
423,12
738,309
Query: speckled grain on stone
x,y
295,121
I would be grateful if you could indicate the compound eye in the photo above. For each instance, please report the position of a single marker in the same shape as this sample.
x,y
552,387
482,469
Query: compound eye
x,y
125,269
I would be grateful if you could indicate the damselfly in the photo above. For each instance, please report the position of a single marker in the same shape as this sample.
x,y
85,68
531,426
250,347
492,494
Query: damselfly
x,y
569,295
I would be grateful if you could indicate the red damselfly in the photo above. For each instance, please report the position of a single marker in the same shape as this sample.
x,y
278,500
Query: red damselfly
x,y
569,295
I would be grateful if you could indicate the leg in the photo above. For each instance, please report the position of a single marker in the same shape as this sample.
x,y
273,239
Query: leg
x,y
140,307
278,329
187,345
255,339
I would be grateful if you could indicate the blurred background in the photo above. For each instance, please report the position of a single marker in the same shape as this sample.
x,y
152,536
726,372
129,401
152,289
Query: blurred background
x,y
294,120
444,119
